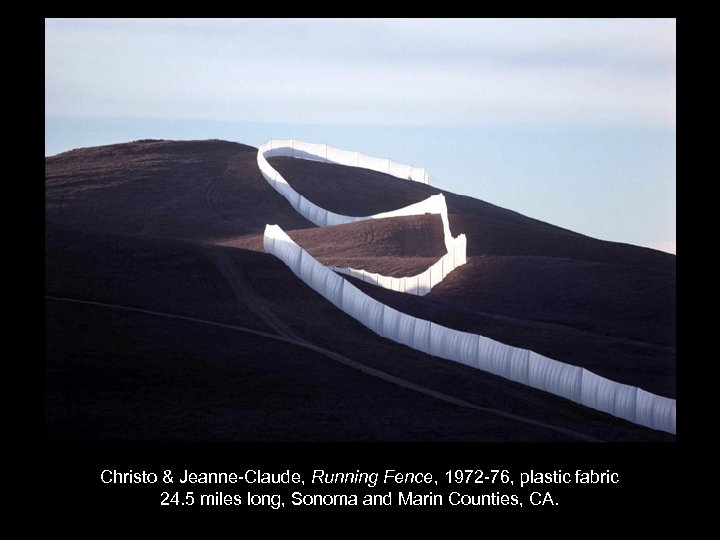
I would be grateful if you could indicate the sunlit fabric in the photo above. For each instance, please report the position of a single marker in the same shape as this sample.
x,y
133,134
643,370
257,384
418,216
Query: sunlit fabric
x,y
527,367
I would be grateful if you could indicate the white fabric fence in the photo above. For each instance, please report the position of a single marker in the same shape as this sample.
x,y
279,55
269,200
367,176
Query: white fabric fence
x,y
420,284
329,154
574,383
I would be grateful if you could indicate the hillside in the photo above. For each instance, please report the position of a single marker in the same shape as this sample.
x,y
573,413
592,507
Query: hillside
x,y
175,228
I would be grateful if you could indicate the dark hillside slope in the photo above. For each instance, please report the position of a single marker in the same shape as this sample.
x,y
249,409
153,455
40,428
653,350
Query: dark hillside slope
x,y
176,227
181,369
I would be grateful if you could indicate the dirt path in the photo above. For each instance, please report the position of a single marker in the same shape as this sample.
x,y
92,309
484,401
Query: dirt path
x,y
208,192
338,358
246,296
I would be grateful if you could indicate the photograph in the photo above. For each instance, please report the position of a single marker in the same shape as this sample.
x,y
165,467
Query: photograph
x,y
360,231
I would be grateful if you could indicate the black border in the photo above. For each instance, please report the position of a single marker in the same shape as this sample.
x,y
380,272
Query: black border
x,y
67,474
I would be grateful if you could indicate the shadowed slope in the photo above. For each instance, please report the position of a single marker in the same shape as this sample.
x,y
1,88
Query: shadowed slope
x,y
114,374
607,306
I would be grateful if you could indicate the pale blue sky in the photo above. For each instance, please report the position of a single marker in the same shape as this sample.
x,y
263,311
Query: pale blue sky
x,y
568,121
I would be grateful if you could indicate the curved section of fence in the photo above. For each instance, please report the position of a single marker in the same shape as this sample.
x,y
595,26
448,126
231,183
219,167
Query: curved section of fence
x,y
521,365
420,284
